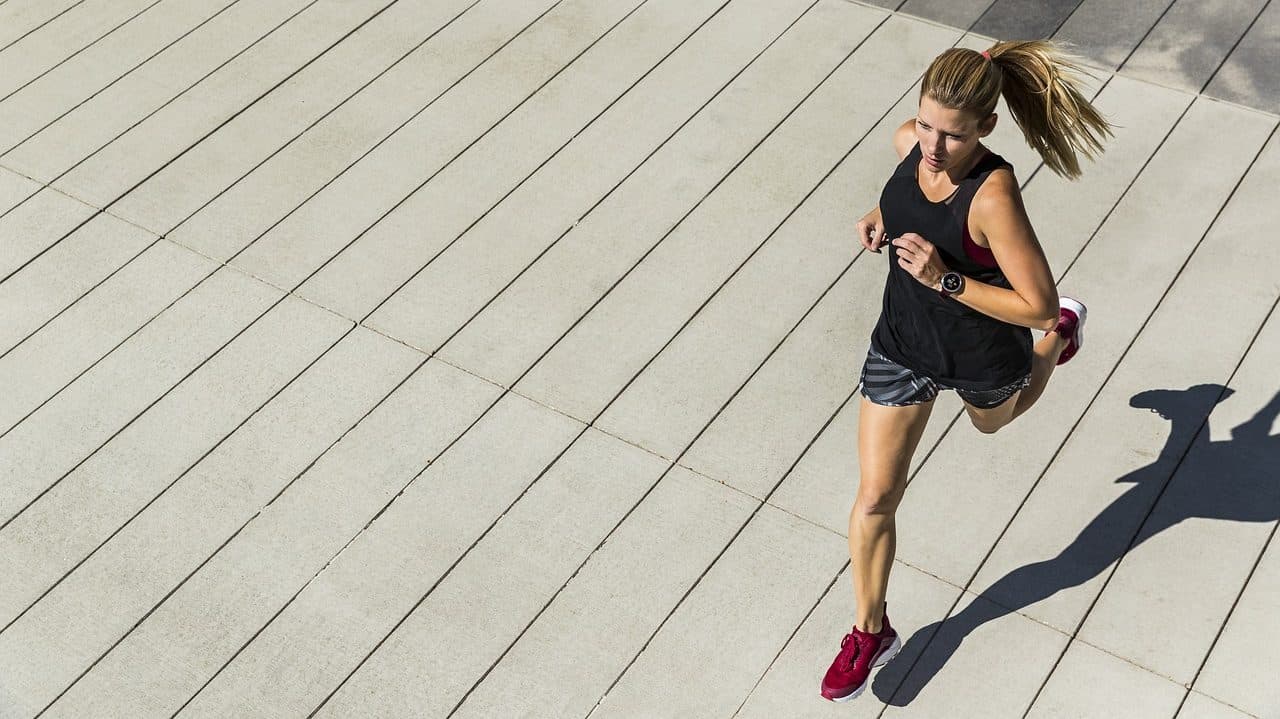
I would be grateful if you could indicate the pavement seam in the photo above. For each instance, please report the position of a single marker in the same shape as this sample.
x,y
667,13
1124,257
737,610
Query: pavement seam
x,y
343,102
126,73
93,42
37,27
472,143
1064,20
1218,701
1235,45
1147,34
156,237
234,115
345,546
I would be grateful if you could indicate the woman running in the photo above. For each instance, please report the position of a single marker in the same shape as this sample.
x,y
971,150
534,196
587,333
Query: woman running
x,y
967,283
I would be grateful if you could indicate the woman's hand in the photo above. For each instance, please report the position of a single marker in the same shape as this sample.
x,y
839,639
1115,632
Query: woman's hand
x,y
920,259
871,231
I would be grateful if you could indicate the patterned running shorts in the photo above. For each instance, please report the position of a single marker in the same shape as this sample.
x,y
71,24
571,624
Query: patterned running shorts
x,y
888,383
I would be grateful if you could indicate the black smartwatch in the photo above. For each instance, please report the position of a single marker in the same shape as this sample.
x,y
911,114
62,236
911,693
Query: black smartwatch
x,y
952,283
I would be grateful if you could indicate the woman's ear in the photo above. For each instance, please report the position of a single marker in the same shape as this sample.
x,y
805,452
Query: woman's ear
x,y
985,127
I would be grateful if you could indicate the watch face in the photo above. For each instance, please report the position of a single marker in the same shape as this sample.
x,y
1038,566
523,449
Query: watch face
x,y
951,282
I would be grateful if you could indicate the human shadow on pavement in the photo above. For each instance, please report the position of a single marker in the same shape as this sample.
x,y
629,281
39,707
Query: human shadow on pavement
x,y
1232,479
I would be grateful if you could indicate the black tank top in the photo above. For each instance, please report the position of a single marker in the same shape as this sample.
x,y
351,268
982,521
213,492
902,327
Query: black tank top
x,y
938,336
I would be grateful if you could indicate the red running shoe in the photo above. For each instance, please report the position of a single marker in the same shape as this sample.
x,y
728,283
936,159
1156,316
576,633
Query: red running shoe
x,y
860,652
1071,314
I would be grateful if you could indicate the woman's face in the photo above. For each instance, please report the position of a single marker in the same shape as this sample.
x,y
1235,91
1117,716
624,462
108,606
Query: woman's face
x,y
948,137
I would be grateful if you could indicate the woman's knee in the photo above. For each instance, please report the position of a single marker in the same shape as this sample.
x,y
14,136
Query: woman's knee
x,y
881,501
990,421
986,425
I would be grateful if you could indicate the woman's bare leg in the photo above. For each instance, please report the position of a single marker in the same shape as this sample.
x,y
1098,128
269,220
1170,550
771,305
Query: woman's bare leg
x,y
1043,359
887,437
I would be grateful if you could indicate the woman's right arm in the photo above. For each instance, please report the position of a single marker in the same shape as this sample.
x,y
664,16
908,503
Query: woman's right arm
x,y
871,226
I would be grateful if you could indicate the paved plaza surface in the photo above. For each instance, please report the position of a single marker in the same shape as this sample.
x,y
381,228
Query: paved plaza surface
x,y
499,358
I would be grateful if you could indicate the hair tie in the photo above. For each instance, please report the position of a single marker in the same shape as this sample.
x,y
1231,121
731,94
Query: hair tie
x,y
986,55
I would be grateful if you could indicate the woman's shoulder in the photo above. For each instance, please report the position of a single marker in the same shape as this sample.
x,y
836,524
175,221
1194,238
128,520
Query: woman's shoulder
x,y
998,194
904,139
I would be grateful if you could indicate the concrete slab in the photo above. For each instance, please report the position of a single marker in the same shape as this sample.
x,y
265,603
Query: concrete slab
x,y
497,589
1069,215
45,362
1191,41
1237,669
1091,682
166,659
525,320
189,181
76,264
286,180
1024,19
14,190
140,93
50,647
1104,33
65,35
532,135
342,616
953,676
957,13
37,224
112,171
643,312
50,443
475,266
99,496
19,17
380,182
753,598
26,111
567,658
1247,77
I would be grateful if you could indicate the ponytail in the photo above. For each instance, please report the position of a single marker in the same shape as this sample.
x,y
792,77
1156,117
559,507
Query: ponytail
x,y
1040,85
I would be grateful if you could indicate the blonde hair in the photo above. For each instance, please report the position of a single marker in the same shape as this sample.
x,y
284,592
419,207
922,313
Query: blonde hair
x,y
1039,83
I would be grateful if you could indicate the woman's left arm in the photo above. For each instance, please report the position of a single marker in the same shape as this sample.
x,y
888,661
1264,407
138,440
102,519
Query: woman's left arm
x,y
1000,217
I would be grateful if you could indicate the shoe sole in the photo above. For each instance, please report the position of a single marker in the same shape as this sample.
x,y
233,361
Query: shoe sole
x,y
885,657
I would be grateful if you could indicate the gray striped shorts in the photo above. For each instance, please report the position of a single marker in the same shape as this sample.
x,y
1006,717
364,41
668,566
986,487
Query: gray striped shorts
x,y
888,383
